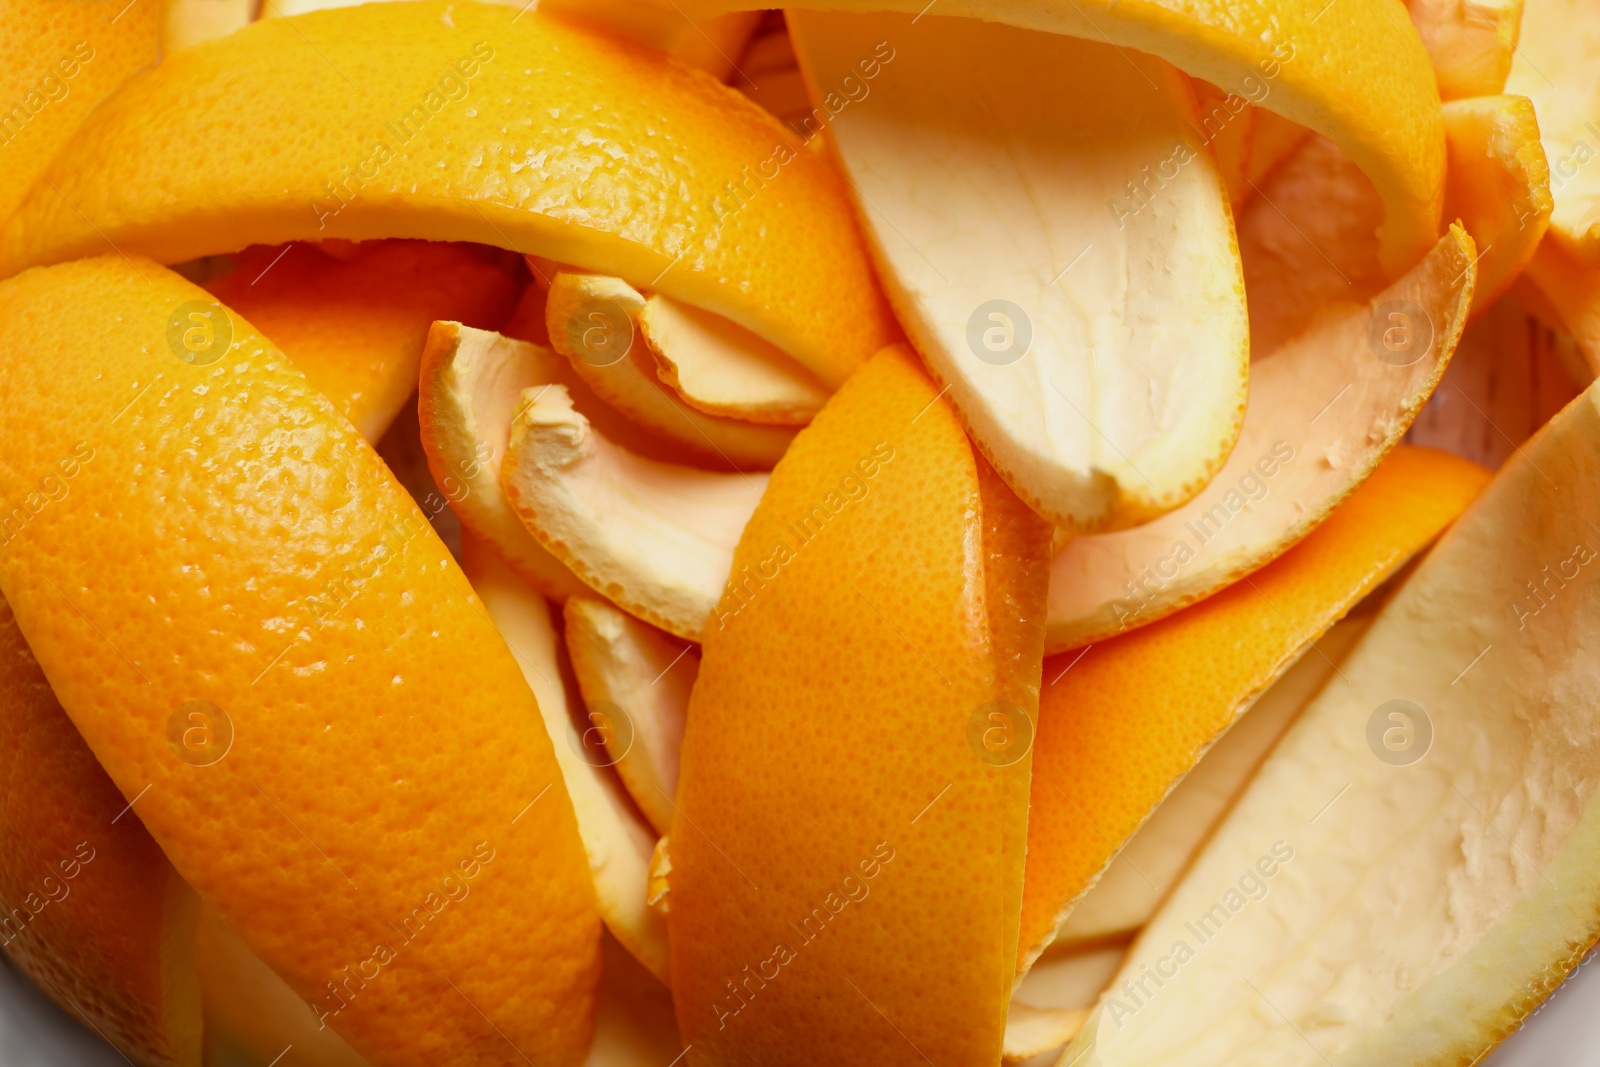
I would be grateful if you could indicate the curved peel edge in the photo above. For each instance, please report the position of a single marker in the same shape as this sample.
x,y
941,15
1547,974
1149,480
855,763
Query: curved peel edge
x,y
1324,411
470,383
654,538
1155,700
626,667
1451,888
174,198
1091,329
616,839
831,863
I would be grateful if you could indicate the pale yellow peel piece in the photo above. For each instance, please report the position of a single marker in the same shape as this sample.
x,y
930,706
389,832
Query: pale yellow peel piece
x,y
634,1025
1323,412
252,1013
1404,883
1074,280
617,841
1030,1030
629,669
591,320
1149,864
654,538
192,22
1362,79
1557,66
1053,999
724,369
470,384
1470,43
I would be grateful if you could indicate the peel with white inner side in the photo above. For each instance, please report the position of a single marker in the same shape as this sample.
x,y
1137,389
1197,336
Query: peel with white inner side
x,y
592,320
251,1013
654,538
1557,66
1324,410
1070,272
1031,1031
628,668
1147,867
1053,1000
1469,42
617,841
470,384
1417,864
724,369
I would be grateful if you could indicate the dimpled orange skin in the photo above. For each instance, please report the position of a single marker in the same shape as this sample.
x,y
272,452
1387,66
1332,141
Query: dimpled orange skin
x,y
827,763
1121,725
232,540
86,48
576,146
93,911
357,327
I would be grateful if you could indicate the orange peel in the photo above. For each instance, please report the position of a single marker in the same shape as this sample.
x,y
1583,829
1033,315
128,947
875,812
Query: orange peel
x,y
781,258
334,585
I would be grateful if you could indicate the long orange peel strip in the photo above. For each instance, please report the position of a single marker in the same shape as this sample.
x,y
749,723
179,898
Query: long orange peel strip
x,y
875,866
383,98
388,819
